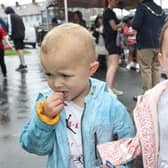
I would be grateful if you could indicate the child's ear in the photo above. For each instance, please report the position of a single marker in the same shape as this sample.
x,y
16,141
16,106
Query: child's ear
x,y
160,58
93,67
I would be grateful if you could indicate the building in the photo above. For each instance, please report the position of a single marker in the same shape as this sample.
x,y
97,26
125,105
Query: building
x,y
31,13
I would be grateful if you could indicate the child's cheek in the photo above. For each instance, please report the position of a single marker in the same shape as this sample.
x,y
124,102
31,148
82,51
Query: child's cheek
x,y
166,65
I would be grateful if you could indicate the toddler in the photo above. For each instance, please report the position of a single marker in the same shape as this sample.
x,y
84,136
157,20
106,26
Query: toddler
x,y
76,112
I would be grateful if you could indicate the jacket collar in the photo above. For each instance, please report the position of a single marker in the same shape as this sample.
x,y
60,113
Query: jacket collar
x,y
96,88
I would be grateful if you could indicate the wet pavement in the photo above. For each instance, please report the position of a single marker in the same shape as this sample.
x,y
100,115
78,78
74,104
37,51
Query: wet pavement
x,y
17,95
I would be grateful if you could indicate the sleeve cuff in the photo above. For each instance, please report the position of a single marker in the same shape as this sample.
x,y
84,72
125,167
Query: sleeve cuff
x,y
43,117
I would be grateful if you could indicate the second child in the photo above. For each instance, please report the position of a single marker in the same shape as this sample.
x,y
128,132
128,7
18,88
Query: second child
x,y
151,120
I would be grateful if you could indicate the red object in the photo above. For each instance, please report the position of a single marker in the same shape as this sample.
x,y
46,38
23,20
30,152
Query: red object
x,y
2,34
6,47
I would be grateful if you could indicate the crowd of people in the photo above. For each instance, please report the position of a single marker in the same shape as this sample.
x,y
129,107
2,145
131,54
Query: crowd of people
x,y
75,17
78,121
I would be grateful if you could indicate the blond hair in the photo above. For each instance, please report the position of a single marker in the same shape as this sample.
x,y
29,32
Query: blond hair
x,y
72,39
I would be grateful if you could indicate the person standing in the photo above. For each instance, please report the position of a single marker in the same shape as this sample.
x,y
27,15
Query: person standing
x,y
148,21
110,26
78,18
16,31
4,37
130,37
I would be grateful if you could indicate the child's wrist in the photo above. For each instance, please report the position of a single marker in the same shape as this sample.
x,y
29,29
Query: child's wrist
x,y
43,117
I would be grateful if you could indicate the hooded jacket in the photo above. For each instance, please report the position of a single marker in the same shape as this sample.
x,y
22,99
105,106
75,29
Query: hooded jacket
x,y
104,119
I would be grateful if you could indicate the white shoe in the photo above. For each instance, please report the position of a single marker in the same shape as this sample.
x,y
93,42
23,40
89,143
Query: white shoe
x,y
128,67
133,64
117,92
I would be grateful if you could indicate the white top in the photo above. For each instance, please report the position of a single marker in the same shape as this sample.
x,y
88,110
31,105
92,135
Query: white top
x,y
73,119
163,130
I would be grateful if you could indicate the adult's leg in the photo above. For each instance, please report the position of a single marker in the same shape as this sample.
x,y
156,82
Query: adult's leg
x,y
19,47
131,62
112,66
130,56
145,57
112,61
2,63
155,68
20,53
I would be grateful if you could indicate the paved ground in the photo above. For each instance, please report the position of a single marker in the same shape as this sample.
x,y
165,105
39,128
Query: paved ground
x,y
18,93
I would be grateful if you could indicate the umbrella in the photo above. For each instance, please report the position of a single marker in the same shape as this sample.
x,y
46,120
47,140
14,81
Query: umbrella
x,y
127,4
89,4
77,3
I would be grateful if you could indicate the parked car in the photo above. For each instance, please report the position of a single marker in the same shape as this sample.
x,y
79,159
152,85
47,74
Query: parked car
x,y
30,37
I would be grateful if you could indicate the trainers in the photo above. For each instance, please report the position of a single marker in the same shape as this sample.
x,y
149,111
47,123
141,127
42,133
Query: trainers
x,y
128,67
131,65
117,92
21,67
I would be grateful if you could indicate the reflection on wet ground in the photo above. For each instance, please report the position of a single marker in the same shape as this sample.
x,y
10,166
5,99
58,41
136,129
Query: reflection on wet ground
x,y
18,90
17,95
4,101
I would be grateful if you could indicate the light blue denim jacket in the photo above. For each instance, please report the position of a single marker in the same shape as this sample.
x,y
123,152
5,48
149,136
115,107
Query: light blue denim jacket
x,y
104,119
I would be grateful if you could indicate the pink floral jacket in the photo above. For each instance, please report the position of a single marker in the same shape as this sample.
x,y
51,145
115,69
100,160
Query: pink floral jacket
x,y
146,140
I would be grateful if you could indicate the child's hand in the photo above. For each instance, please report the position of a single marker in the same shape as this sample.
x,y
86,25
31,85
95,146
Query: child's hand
x,y
11,47
54,104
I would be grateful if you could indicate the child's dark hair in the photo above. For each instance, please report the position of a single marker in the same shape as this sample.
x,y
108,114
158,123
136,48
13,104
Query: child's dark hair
x,y
164,28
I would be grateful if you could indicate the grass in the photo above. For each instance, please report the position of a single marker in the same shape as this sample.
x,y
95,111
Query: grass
x,y
13,52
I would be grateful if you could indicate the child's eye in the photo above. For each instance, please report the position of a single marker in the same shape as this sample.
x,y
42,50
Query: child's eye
x,y
48,74
66,76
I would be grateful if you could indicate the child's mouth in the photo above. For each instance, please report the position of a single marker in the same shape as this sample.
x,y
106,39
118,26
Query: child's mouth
x,y
65,94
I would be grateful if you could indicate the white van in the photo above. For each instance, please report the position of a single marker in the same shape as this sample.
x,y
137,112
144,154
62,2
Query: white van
x,y
30,36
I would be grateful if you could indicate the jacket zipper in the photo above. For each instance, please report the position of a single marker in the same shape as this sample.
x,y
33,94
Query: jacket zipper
x,y
82,135
95,137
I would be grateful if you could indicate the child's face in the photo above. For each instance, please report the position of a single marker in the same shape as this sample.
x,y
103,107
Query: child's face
x,y
69,75
163,58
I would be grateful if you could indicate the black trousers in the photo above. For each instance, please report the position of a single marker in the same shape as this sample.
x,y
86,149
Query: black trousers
x,y
2,62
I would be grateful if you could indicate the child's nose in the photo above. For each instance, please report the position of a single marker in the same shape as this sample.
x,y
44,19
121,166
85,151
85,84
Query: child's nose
x,y
58,83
